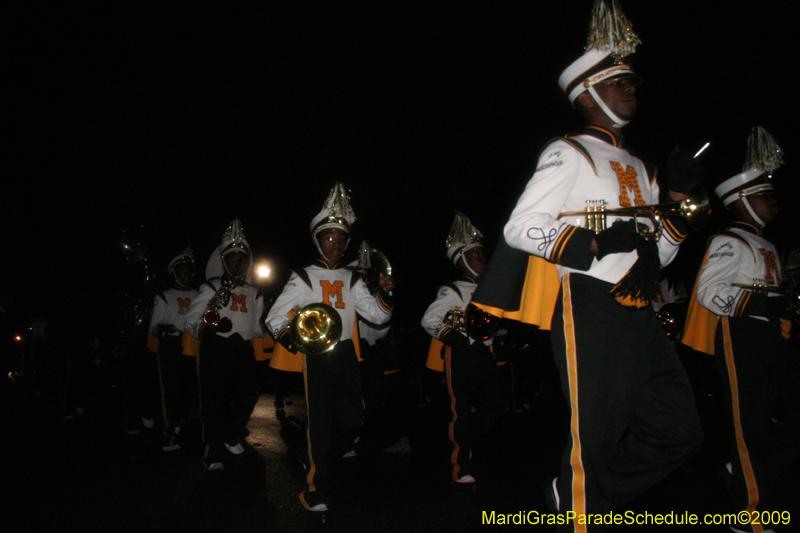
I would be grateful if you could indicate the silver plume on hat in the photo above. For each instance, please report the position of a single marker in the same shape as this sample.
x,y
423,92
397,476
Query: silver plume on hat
x,y
234,235
610,30
186,256
187,253
338,204
763,153
462,232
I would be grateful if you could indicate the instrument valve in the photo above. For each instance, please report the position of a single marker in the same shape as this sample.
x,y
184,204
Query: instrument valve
x,y
595,218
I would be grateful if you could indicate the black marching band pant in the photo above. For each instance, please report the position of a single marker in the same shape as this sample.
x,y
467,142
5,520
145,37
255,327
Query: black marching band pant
x,y
760,377
473,380
335,414
633,418
178,378
227,369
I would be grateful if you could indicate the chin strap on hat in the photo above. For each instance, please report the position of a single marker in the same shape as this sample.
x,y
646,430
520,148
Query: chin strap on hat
x,y
750,210
618,122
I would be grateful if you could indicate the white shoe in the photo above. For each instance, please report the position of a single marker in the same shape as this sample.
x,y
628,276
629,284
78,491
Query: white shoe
x,y
319,508
237,449
215,467
351,453
466,479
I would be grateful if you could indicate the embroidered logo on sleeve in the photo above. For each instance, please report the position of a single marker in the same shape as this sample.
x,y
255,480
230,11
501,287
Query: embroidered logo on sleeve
x,y
725,305
552,159
545,239
725,250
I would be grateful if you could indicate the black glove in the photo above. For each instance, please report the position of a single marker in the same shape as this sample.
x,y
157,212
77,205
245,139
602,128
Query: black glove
x,y
619,238
770,307
285,338
683,171
224,325
454,339
163,329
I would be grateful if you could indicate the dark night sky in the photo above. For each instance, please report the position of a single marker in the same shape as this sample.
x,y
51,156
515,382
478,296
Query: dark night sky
x,y
175,121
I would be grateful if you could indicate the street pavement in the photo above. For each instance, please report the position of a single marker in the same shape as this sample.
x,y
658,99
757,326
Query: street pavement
x,y
88,474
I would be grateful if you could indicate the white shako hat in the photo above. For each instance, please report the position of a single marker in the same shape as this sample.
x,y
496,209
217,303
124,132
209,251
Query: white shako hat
x,y
463,237
186,256
611,40
764,156
336,213
233,240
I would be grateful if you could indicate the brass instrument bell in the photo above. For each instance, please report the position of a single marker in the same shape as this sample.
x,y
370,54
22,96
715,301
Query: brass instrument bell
x,y
473,321
211,317
480,324
316,329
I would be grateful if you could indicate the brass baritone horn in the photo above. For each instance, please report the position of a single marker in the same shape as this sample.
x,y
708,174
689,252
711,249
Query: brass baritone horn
x,y
473,321
455,319
316,329
694,208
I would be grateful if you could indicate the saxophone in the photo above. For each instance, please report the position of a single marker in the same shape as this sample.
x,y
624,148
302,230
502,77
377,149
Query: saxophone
x,y
218,301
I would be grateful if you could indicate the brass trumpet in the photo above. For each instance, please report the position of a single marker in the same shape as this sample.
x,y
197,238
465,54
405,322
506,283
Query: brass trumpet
x,y
316,329
766,288
694,208
793,308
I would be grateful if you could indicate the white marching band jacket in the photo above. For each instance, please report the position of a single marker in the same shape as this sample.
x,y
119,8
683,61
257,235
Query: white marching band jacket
x,y
244,308
341,288
739,256
170,307
454,295
570,172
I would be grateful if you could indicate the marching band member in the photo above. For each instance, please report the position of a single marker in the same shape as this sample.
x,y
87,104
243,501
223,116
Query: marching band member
x,y
335,409
226,315
177,372
633,418
731,316
473,379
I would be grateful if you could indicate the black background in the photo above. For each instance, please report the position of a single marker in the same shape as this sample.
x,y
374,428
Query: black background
x,y
166,123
